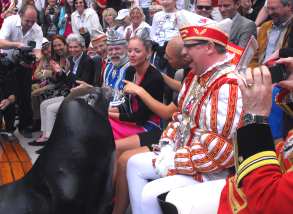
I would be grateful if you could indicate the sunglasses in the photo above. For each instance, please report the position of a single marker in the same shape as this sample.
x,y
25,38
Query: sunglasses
x,y
195,44
204,7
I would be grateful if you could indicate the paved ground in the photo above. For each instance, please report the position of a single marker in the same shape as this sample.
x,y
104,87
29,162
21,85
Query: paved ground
x,y
30,149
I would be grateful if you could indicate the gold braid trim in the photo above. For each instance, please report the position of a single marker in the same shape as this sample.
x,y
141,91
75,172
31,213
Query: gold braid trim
x,y
256,161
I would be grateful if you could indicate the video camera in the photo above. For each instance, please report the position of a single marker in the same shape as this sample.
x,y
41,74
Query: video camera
x,y
25,54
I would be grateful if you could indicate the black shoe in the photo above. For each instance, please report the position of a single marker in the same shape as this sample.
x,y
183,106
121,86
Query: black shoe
x,y
8,135
26,133
35,143
39,151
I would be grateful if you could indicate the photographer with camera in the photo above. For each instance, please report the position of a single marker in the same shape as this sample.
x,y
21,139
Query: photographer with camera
x,y
50,27
16,31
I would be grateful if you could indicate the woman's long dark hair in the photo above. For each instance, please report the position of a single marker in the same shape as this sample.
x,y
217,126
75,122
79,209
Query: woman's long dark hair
x,y
84,3
54,55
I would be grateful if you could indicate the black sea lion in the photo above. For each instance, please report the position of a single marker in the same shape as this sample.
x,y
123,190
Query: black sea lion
x,y
74,171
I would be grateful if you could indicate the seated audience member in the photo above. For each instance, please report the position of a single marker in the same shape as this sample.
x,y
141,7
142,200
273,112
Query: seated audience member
x,y
99,44
137,23
132,122
242,28
80,67
52,12
41,78
123,20
145,6
90,51
246,9
196,145
274,34
53,85
85,21
177,60
114,73
263,173
64,22
117,62
109,22
204,8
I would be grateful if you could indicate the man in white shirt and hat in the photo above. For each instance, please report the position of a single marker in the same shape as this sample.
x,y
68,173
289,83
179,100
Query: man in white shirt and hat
x,y
123,20
17,31
196,146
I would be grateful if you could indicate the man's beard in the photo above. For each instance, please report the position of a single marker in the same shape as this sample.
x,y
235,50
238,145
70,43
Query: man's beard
x,y
118,60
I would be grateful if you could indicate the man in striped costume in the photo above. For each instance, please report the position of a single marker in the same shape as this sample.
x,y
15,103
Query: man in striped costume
x,y
117,53
197,145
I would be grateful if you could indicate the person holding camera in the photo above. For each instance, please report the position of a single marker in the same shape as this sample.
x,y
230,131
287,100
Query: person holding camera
x,y
52,12
16,31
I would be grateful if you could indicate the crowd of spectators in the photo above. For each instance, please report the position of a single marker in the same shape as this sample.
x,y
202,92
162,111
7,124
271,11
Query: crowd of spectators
x,y
161,59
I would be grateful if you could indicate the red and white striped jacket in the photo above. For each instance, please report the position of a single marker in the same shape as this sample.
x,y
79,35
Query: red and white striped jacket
x,y
210,108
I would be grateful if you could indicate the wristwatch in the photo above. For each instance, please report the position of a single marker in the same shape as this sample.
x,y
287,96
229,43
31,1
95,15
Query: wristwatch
x,y
254,119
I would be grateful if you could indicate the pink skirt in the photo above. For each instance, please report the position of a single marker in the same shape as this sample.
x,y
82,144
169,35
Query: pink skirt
x,y
122,129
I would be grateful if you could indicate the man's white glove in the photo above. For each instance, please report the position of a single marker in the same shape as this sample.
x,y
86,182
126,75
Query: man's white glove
x,y
165,160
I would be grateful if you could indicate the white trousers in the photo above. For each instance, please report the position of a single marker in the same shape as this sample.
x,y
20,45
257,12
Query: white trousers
x,y
143,193
201,198
48,110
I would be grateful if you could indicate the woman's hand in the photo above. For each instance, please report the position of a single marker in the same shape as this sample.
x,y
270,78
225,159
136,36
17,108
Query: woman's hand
x,y
55,66
256,89
131,88
114,115
113,110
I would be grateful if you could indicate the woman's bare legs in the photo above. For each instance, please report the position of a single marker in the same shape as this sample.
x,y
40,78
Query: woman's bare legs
x,y
121,187
125,144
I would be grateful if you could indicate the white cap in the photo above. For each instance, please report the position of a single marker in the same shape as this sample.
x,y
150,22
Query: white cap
x,y
45,42
196,27
122,14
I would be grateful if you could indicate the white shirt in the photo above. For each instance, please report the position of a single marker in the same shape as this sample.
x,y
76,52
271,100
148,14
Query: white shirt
x,y
164,27
138,30
145,3
76,61
88,20
121,30
12,30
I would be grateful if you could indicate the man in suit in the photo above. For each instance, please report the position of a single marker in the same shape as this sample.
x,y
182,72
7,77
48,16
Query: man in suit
x,y
242,28
81,65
